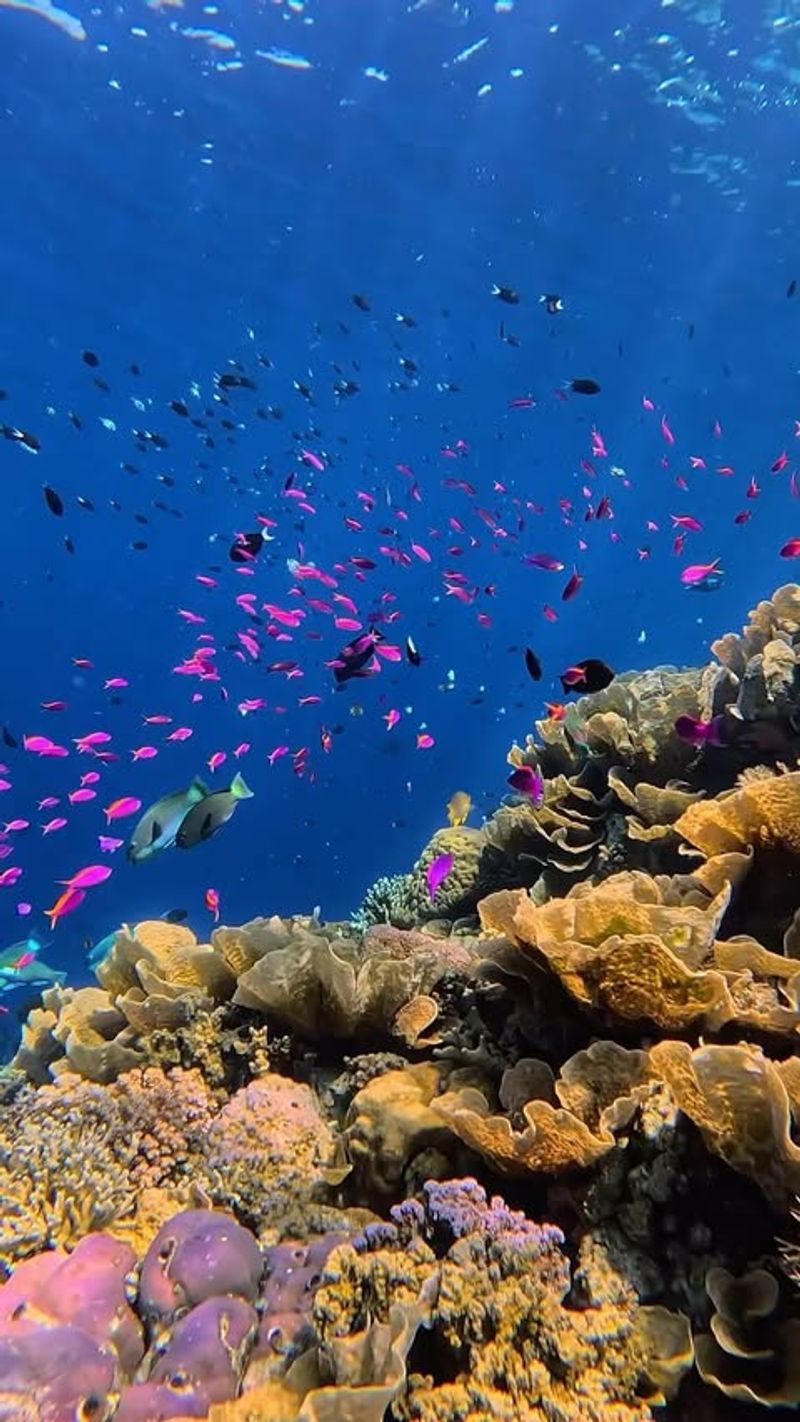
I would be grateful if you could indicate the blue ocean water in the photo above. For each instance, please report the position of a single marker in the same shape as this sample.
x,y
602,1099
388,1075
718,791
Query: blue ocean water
x,y
194,190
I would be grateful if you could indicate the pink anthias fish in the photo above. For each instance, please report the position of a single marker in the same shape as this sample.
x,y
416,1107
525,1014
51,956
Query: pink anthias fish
x,y
10,876
436,873
425,740
527,781
697,572
545,561
89,742
64,904
700,733
391,718
144,752
42,745
52,825
109,845
121,808
87,878
82,796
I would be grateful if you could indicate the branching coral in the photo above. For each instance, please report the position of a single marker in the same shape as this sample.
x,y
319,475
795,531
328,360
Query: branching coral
x,y
76,1156
503,1340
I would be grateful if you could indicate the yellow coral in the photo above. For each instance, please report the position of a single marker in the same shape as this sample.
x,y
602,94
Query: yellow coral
x,y
739,1101
390,1121
764,812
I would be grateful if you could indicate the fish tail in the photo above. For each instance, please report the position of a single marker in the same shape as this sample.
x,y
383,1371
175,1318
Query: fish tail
x,y
239,788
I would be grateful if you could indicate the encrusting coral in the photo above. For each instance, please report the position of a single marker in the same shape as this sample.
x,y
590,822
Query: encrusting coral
x,y
226,1169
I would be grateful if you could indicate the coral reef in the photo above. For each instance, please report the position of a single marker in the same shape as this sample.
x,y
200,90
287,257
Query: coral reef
x,y
251,1180
513,1349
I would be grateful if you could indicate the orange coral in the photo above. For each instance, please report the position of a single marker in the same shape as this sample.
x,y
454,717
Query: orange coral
x,y
762,812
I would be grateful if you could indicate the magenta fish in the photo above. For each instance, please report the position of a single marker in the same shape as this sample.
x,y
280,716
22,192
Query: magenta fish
x,y
527,781
437,872
545,561
700,733
88,877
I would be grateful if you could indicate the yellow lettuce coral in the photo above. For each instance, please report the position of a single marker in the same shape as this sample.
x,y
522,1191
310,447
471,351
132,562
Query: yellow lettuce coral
x,y
762,812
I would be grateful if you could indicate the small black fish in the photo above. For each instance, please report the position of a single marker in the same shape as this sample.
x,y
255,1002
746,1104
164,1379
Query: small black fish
x,y
246,547
177,915
533,665
412,652
229,380
69,545
89,358
587,676
791,288
507,337
405,320
507,294
28,441
552,303
135,369
355,656
584,387
179,407
8,740
361,302
139,546
85,503
53,500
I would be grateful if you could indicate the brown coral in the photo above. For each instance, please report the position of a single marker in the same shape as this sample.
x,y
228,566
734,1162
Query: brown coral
x,y
320,986
597,1093
764,812
749,1354
742,1104
391,1124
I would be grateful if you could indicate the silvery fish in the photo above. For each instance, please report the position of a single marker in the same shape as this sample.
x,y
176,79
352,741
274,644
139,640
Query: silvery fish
x,y
205,818
159,825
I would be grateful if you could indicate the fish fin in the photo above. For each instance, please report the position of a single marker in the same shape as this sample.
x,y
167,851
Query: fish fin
x,y
155,833
239,789
207,827
198,790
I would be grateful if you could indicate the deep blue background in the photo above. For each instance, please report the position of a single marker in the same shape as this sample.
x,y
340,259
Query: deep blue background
x,y
116,236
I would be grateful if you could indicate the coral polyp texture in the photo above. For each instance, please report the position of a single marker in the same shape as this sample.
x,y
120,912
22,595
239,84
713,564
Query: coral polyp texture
x,y
528,1147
